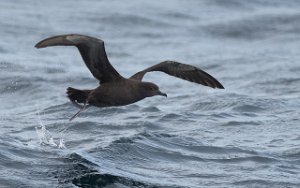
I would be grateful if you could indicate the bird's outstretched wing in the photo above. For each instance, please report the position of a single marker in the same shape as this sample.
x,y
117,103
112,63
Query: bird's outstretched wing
x,y
92,51
183,71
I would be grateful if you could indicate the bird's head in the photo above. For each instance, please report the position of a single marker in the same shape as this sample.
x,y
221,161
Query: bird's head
x,y
149,89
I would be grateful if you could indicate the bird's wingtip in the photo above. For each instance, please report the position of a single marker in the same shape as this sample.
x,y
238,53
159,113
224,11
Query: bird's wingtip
x,y
40,44
37,45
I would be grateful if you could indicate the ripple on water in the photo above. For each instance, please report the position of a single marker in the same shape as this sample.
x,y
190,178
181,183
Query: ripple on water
x,y
242,123
248,108
264,183
256,27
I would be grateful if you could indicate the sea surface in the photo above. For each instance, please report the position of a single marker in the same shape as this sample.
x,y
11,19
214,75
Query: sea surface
x,y
247,135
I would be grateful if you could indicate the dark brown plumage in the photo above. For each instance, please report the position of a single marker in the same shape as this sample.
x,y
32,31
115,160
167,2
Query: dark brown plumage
x,y
115,90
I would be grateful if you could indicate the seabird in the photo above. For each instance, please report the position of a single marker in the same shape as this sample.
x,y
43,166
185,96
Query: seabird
x,y
114,89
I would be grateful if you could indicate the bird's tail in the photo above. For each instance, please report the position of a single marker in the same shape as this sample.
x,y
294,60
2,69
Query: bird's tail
x,y
76,95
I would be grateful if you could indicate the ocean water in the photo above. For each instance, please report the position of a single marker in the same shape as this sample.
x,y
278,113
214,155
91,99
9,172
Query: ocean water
x,y
247,135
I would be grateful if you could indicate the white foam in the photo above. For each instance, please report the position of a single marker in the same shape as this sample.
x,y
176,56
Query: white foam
x,y
46,137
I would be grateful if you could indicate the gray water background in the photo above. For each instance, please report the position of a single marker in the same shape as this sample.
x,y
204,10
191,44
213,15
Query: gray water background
x,y
244,136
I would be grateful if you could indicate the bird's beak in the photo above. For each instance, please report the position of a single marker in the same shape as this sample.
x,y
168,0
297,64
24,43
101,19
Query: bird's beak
x,y
162,94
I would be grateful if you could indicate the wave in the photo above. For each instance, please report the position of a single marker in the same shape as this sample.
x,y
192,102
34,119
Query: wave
x,y
264,183
103,180
116,163
81,172
257,27
154,146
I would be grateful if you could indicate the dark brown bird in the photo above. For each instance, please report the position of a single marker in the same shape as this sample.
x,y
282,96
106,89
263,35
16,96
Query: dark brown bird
x,y
114,89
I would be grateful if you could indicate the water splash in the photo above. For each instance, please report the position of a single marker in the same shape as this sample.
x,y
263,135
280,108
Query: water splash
x,y
46,137
61,144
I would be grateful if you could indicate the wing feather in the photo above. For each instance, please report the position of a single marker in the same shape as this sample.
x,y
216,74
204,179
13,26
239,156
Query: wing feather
x,y
92,51
183,71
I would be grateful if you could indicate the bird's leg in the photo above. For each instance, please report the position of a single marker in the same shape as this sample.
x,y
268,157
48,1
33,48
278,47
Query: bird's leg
x,y
82,109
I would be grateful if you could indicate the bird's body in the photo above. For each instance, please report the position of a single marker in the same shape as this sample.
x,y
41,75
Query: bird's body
x,y
119,93
114,89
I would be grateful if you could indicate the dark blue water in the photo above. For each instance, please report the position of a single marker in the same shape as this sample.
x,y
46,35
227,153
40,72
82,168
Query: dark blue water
x,y
247,135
